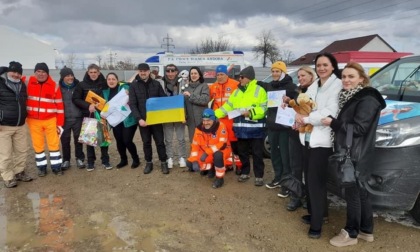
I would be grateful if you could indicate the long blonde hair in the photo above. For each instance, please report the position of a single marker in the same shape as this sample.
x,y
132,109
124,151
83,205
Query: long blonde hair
x,y
310,71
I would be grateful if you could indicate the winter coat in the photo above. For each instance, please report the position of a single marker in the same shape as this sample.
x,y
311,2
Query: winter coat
x,y
82,89
285,84
45,100
326,98
12,103
362,111
139,92
71,111
195,104
252,98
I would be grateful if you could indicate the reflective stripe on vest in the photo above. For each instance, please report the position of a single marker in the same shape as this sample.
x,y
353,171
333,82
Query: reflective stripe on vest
x,y
248,125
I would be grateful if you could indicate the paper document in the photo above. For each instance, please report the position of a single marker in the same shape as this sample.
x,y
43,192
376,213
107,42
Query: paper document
x,y
285,116
275,98
234,113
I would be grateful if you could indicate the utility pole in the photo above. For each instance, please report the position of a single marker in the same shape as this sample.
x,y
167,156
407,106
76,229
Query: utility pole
x,y
112,56
167,44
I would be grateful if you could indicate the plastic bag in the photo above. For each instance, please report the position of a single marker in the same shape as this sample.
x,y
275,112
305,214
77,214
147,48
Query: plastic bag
x,y
103,132
88,134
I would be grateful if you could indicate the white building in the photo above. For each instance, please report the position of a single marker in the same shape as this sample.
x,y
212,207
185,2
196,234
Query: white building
x,y
27,50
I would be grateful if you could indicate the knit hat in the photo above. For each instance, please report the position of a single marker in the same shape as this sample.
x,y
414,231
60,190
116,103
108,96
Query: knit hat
x,y
15,67
209,114
279,65
42,66
248,72
66,71
221,69
143,66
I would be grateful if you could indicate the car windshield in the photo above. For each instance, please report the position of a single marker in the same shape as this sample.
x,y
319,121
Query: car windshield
x,y
400,80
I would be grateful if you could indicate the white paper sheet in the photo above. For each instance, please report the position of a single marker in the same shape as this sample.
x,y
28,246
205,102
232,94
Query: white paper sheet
x,y
275,98
285,116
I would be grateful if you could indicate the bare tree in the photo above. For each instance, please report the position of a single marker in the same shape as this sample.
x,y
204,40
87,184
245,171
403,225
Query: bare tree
x,y
287,56
71,60
209,45
99,59
126,64
266,48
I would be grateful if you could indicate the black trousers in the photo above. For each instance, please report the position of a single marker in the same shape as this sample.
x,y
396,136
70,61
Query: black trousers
x,y
155,131
296,150
359,211
124,138
69,126
92,156
256,145
315,167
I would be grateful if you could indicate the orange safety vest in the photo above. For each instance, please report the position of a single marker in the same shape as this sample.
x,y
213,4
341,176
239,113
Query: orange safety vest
x,y
45,100
220,94
209,143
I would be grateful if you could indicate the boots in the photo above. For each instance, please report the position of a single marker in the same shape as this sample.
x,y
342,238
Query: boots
x,y
149,167
122,163
136,162
164,167
218,183
294,203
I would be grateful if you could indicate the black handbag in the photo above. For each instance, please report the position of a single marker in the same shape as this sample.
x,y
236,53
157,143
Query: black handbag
x,y
293,184
342,165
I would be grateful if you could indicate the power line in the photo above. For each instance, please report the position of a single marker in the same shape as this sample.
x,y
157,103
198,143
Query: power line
x,y
167,44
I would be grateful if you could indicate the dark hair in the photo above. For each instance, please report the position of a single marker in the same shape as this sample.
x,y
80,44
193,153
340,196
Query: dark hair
x,y
201,80
172,65
112,73
333,61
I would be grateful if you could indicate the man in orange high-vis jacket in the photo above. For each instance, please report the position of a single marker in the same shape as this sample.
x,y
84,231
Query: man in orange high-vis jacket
x,y
208,147
45,118
220,92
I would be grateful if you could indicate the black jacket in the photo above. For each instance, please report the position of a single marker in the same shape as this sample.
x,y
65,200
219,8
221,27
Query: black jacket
x,y
291,91
81,90
71,111
12,103
363,111
139,92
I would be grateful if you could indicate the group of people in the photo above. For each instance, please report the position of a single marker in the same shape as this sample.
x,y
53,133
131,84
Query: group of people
x,y
225,120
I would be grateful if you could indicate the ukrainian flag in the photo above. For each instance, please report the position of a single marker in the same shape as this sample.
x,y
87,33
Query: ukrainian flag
x,y
165,109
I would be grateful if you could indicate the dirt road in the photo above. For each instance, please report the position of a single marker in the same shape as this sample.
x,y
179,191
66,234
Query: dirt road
x,y
125,210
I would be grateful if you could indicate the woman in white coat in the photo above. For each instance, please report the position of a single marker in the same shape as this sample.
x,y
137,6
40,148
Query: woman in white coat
x,y
318,145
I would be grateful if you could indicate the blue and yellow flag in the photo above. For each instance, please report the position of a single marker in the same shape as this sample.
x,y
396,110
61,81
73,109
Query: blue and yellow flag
x,y
165,109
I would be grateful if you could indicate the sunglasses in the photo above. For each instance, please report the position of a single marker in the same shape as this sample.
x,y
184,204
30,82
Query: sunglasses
x,y
170,70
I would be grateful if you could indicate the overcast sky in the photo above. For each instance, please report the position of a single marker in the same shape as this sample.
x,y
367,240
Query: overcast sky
x,y
135,28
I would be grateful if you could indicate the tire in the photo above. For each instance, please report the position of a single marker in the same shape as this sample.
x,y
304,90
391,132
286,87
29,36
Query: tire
x,y
267,148
415,212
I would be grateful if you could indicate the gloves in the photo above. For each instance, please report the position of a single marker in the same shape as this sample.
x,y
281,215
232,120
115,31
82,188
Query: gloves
x,y
195,166
203,157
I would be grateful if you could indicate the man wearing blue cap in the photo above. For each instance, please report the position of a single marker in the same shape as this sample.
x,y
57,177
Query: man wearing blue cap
x,y
220,92
209,148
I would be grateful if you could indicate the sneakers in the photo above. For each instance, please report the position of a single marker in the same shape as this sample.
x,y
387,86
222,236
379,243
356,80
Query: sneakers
x,y
259,182
313,234
218,183
10,183
365,236
273,184
307,219
182,163
284,192
122,163
164,167
149,168
170,162
294,204
243,178
22,176
80,164
65,165
107,166
90,167
343,239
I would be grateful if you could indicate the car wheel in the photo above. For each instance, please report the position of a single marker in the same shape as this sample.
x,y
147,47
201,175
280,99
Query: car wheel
x,y
267,148
415,212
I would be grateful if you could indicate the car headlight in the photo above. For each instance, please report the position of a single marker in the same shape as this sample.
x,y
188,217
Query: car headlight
x,y
401,133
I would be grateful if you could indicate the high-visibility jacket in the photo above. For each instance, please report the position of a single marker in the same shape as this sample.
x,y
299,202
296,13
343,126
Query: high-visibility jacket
x,y
220,94
252,98
45,100
209,142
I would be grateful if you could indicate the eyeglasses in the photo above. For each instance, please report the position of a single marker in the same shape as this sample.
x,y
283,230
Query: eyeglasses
x,y
170,70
